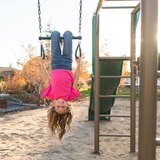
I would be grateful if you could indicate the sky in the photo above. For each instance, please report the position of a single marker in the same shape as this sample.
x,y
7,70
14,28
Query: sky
x,y
19,24
20,28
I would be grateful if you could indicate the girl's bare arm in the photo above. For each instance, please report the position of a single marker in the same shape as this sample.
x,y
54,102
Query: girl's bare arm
x,y
45,74
77,73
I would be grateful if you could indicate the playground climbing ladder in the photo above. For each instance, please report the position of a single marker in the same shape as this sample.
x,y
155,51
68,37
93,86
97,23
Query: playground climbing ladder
x,y
98,77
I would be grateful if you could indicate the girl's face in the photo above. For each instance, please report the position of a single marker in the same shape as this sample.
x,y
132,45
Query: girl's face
x,y
61,106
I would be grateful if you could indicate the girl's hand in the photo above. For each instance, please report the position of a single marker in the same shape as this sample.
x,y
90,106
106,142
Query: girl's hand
x,y
44,62
78,61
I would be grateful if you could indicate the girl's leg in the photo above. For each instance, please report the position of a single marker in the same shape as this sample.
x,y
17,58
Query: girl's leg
x,y
55,49
67,50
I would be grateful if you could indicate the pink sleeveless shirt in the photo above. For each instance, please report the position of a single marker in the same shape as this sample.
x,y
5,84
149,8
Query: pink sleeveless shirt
x,y
61,86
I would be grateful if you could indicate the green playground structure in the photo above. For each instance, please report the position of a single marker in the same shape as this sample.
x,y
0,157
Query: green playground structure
x,y
108,67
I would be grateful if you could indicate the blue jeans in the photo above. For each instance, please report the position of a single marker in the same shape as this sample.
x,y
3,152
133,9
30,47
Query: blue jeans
x,y
64,60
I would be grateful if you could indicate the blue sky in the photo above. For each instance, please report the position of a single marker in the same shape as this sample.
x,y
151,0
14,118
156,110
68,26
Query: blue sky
x,y
19,26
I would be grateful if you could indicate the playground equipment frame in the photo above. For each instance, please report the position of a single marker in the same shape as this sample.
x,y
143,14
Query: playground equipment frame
x,y
148,88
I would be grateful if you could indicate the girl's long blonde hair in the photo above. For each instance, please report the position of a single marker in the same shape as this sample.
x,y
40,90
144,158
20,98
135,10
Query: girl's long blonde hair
x,y
59,122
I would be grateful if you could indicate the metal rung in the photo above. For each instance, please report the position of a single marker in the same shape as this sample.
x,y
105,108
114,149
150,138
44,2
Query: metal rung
x,y
49,38
114,135
114,58
114,96
115,76
119,7
123,0
108,115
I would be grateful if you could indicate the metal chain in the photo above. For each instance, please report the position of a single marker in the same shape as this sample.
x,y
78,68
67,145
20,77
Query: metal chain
x,y
39,17
40,30
80,17
78,49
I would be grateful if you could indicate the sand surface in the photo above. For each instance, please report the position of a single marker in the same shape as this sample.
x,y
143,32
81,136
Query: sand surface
x,y
24,136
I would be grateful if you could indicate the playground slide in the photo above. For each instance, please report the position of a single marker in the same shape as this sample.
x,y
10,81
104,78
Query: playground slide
x,y
108,86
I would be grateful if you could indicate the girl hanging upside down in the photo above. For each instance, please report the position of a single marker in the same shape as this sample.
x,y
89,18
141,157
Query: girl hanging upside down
x,y
62,85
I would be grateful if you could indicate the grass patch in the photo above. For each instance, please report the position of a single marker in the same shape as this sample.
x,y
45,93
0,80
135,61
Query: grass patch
x,y
85,92
125,91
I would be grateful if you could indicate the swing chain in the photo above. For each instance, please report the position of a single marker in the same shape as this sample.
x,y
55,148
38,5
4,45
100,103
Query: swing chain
x,y
80,26
40,30
78,48
80,17
39,17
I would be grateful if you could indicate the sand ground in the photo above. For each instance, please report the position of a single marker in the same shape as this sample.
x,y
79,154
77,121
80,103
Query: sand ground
x,y
24,136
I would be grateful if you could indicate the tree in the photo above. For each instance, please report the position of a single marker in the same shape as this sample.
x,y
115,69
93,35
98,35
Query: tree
x,y
17,82
29,78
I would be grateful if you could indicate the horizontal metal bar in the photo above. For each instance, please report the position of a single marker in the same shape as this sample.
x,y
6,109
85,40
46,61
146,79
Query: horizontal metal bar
x,y
109,115
114,135
122,0
119,7
115,76
114,58
114,96
49,38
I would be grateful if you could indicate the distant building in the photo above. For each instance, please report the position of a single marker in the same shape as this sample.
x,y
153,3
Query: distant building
x,y
7,72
